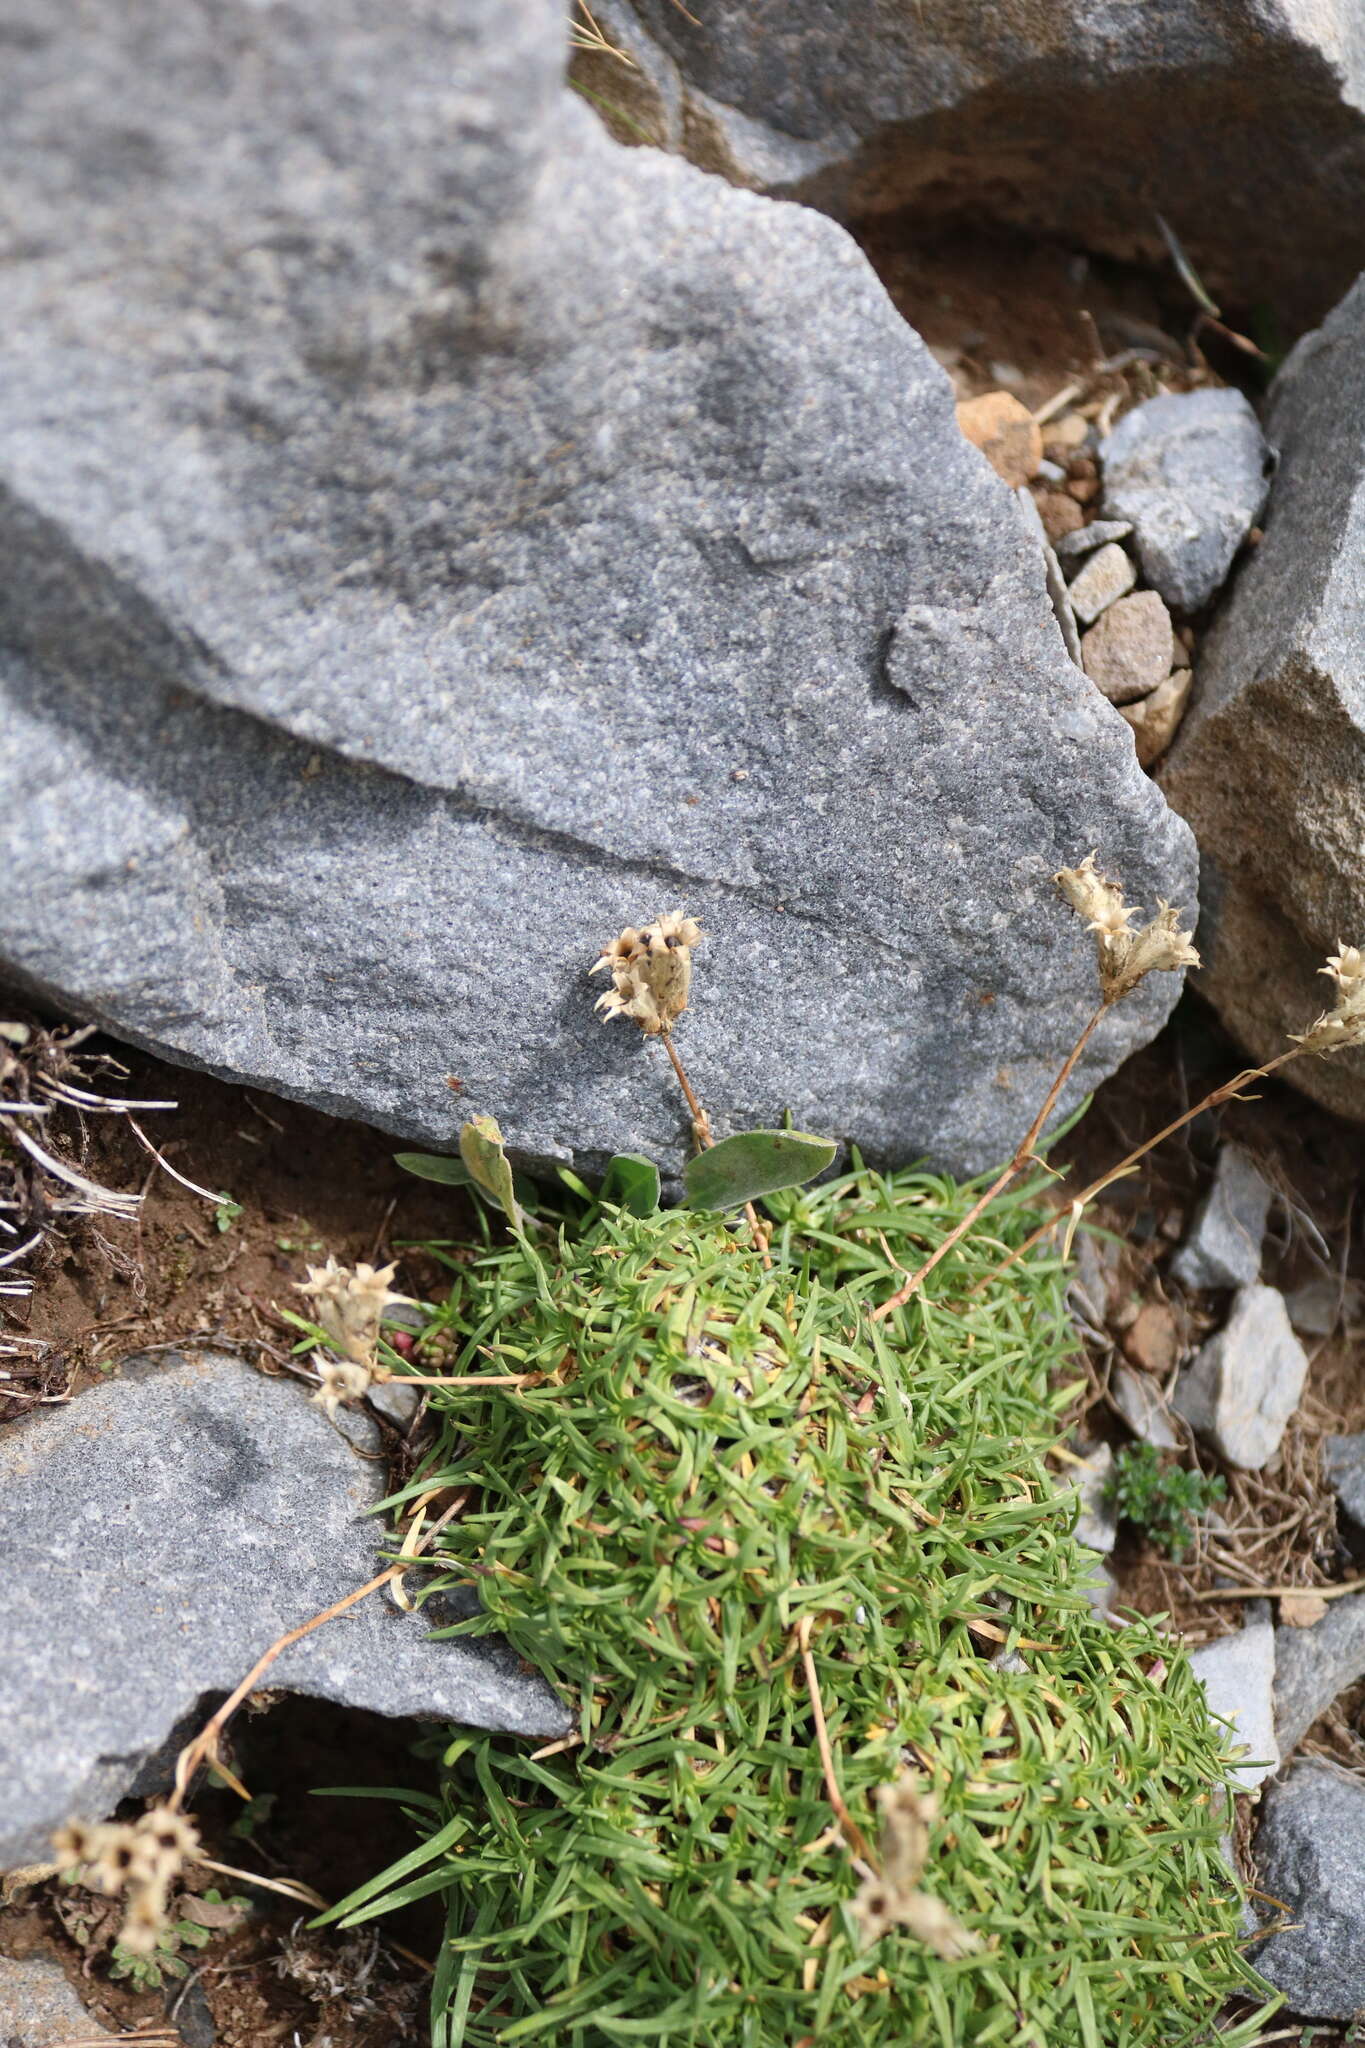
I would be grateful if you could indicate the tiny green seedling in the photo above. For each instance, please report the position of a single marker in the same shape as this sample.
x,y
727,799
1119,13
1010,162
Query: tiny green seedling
x,y
1162,1500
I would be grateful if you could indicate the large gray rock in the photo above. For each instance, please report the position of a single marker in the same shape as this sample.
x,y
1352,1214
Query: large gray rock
x,y
1270,763
159,1534
1310,1856
434,537
1191,471
1314,1666
1080,116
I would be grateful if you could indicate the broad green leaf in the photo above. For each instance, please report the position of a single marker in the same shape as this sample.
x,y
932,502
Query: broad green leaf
x,y
453,1173
754,1163
632,1183
482,1152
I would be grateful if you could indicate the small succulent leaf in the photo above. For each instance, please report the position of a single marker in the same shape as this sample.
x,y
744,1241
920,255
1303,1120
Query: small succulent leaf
x,y
482,1152
439,1166
754,1163
632,1183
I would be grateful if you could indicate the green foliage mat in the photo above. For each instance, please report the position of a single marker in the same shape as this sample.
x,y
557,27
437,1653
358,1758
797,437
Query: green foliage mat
x,y
717,1453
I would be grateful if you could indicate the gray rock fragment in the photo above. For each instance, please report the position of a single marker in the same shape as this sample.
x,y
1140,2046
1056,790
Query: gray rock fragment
x,y
1097,1524
1310,1855
1324,1304
1313,1666
1105,576
396,1401
1343,1459
1073,546
357,649
1223,1246
204,1510
39,2008
1245,1383
1191,471
1138,1400
1238,1676
1052,568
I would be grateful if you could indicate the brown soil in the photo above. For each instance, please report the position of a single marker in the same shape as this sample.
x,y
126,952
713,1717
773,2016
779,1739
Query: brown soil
x,y
188,1271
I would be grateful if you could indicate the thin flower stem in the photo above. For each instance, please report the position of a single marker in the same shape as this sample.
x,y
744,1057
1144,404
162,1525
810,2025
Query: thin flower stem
x,y
466,1379
1229,1089
204,1748
1023,1157
701,1124
852,1833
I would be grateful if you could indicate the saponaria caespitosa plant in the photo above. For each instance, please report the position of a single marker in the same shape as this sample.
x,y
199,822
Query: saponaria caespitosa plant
x,y
851,1759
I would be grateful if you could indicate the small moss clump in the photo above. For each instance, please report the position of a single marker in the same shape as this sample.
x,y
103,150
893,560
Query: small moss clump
x,y
719,1459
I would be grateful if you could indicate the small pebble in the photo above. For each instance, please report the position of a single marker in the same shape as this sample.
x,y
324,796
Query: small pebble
x,y
1128,653
1106,576
1005,432
1059,513
1152,1341
1087,538
1068,433
1237,1673
1156,719
1051,472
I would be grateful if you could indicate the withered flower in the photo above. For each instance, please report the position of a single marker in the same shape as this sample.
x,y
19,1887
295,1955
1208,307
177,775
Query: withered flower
x,y
341,1381
651,972
894,1898
1125,956
349,1304
1344,1024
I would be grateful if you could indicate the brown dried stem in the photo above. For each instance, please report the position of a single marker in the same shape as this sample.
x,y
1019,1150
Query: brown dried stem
x,y
1024,1156
204,1748
1213,1100
852,1833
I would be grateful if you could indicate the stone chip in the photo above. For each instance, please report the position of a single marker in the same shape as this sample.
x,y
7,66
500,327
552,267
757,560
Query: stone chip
x,y
1128,653
1245,1382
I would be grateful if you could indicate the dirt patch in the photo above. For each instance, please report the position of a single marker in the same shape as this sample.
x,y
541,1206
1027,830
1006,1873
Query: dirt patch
x,y
187,1270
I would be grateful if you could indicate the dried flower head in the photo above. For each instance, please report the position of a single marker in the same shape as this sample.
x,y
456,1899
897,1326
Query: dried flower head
x,y
1126,957
167,1841
893,1898
134,1860
349,1304
340,1381
1344,1024
651,972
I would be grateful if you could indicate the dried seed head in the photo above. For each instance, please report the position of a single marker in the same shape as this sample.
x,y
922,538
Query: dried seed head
x,y
1126,957
146,1919
340,1381
349,1304
75,1842
1344,1024
116,1862
651,972
893,1898
166,1842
